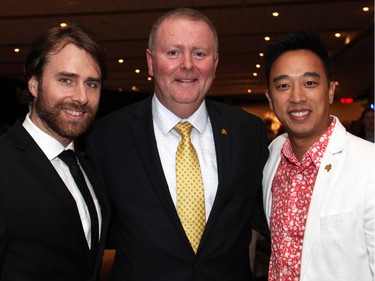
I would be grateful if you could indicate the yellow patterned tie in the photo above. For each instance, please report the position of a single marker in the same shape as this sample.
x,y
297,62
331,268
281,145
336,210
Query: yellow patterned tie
x,y
190,193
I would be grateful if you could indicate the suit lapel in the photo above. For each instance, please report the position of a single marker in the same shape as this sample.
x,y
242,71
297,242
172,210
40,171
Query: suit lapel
x,y
145,142
100,195
223,139
102,210
36,161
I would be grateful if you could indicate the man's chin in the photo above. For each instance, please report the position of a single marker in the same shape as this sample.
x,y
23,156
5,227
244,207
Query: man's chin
x,y
72,130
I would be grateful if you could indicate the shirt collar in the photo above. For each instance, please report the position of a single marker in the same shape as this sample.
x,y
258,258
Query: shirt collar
x,y
315,152
49,145
166,119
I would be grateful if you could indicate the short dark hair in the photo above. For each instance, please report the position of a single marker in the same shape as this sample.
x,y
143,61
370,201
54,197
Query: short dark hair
x,y
56,38
185,13
306,40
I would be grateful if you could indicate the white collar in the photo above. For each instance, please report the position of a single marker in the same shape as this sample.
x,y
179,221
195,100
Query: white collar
x,y
49,145
166,119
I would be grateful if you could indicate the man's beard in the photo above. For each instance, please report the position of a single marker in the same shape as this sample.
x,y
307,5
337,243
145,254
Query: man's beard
x,y
52,116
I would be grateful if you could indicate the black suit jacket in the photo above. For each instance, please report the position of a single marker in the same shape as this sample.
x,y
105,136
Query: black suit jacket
x,y
41,234
150,241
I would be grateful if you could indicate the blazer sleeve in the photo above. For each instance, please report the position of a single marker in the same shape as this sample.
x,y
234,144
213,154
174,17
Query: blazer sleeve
x,y
369,220
3,237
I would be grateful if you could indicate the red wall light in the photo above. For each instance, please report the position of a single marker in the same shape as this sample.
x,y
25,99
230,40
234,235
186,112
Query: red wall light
x,y
346,100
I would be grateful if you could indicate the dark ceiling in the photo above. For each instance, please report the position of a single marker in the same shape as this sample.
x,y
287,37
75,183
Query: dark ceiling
x,y
123,27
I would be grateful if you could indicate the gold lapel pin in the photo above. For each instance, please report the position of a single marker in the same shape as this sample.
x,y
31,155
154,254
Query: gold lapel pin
x,y
328,167
224,132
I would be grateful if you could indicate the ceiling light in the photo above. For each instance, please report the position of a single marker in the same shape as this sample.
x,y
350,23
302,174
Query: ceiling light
x,y
249,91
255,74
135,88
16,50
63,24
257,65
275,14
366,9
267,38
338,34
261,54
149,78
137,70
120,60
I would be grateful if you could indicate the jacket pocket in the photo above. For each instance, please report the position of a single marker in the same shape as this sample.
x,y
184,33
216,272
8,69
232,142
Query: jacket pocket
x,y
336,218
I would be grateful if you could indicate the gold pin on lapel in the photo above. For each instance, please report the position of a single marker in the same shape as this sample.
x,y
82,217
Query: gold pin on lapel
x,y
328,167
224,132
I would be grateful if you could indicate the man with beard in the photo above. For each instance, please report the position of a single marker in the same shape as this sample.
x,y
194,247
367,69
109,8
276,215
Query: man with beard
x,y
50,228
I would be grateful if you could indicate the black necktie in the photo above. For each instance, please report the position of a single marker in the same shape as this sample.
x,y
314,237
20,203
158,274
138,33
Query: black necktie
x,y
69,157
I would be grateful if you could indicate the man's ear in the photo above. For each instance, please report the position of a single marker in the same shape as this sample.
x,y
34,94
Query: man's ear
x,y
331,91
33,86
269,99
149,58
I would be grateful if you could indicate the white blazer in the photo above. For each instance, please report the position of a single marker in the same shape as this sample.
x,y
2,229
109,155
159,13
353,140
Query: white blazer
x,y
339,238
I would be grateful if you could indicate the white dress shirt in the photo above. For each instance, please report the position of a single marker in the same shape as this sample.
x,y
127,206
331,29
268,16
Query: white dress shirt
x,y
52,148
167,140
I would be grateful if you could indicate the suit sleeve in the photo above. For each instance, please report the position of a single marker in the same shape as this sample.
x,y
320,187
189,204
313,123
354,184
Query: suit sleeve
x,y
3,238
259,221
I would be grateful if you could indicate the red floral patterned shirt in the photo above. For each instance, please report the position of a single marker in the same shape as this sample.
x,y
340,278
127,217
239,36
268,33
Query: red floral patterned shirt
x,y
292,189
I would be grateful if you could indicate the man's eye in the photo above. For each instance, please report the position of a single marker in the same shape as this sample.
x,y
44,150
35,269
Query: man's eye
x,y
199,54
92,84
282,86
65,80
311,83
172,53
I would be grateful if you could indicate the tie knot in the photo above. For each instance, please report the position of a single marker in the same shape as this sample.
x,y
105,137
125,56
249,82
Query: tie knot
x,y
184,129
69,157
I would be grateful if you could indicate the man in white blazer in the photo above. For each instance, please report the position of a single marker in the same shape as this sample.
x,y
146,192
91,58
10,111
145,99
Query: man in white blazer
x,y
319,181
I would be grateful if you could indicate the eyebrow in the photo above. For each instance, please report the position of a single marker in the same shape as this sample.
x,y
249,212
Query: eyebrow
x,y
74,75
311,74
69,74
280,77
285,76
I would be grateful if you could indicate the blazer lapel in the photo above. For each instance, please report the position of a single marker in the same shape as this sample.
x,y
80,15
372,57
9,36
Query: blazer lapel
x,y
322,190
100,195
146,146
223,140
36,161
104,212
